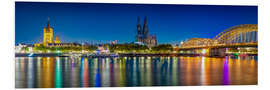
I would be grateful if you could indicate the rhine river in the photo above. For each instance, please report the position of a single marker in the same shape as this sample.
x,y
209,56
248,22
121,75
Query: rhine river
x,y
64,72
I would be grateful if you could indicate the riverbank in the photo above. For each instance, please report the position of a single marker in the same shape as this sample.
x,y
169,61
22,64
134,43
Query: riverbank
x,y
38,54
113,55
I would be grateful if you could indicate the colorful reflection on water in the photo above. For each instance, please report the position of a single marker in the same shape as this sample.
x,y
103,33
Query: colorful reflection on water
x,y
60,72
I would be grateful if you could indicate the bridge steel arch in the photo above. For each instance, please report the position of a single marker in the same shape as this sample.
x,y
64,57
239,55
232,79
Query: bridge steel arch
x,y
244,33
196,42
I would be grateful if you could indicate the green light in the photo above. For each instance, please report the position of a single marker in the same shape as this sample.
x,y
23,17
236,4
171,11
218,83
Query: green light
x,y
58,74
236,54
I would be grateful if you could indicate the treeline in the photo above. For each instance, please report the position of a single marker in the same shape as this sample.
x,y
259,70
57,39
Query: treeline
x,y
128,48
135,48
114,48
89,48
163,48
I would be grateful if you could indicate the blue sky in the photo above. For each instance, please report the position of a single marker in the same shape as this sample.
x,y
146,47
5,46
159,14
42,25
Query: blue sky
x,y
96,22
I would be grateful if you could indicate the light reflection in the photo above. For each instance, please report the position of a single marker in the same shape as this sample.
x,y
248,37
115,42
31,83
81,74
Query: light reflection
x,y
106,72
58,73
97,75
51,72
84,72
48,79
22,70
148,73
67,72
30,74
39,72
18,76
203,80
111,72
75,72
121,68
226,79
189,71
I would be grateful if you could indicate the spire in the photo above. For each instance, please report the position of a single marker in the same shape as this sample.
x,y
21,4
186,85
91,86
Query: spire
x,y
138,21
57,40
145,19
48,24
145,28
139,27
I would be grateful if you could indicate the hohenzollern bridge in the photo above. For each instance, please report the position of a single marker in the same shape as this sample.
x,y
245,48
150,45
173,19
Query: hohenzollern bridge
x,y
240,39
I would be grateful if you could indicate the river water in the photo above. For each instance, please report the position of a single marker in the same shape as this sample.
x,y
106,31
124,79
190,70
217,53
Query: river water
x,y
61,72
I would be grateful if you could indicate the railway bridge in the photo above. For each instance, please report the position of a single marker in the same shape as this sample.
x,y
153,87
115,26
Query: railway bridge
x,y
237,40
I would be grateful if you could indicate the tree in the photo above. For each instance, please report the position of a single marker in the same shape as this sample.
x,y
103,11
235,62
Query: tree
x,y
162,48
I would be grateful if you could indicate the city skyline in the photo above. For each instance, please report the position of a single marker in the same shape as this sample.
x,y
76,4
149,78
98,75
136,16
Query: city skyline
x,y
105,22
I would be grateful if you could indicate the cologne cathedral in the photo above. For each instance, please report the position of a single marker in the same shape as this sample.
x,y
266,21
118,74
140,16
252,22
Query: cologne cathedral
x,y
143,35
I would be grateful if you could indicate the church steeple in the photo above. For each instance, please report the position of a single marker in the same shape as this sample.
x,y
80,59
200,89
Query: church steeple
x,y
57,40
143,36
48,24
139,22
139,26
145,20
145,27
47,34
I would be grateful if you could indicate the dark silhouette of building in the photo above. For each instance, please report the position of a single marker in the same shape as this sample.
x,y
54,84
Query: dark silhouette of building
x,y
143,35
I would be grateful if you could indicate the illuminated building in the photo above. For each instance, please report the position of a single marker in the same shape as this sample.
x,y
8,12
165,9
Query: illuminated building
x,y
64,45
48,37
143,36
57,40
114,42
47,34
19,48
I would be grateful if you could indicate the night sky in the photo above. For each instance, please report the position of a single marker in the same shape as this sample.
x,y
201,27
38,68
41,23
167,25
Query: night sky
x,y
93,22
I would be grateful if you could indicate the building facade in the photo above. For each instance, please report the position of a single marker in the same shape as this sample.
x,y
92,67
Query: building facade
x,y
64,45
143,35
47,34
48,38
57,40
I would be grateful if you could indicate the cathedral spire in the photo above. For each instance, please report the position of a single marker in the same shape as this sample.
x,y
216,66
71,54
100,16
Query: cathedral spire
x,y
145,20
145,27
139,26
138,19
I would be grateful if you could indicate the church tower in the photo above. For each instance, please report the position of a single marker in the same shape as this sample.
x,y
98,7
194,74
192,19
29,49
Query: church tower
x,y
57,40
145,28
139,31
138,26
143,35
47,34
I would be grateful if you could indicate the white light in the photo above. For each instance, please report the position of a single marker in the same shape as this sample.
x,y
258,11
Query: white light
x,y
203,51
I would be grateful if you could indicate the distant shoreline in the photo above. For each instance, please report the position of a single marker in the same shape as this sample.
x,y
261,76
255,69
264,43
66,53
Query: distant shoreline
x,y
109,55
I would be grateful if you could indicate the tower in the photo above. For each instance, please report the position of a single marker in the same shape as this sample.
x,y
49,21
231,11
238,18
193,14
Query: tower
x,y
138,26
143,36
47,34
145,28
57,40
139,31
